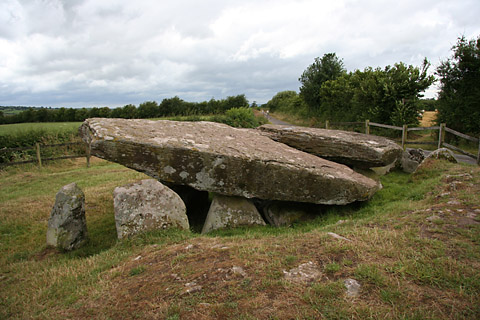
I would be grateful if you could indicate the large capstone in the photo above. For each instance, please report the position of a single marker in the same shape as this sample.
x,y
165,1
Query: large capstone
x,y
146,206
218,158
67,227
350,148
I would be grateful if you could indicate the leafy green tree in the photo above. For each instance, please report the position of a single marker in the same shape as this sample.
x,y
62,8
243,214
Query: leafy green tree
x,y
42,115
70,114
281,101
238,101
459,97
81,114
170,106
329,67
388,96
148,109
129,111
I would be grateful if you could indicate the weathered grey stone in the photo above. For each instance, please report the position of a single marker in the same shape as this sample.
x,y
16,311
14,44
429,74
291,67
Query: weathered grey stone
x,y
410,160
285,214
67,227
353,287
443,154
305,273
350,148
147,205
218,158
231,212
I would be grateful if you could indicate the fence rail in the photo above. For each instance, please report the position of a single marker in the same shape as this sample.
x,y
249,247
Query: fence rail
x,y
405,129
38,157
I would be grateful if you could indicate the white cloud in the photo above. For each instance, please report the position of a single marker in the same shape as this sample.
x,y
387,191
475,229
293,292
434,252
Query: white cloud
x,y
112,52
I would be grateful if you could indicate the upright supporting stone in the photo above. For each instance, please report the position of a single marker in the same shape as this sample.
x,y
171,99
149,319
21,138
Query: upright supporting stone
x,y
67,227
231,212
147,205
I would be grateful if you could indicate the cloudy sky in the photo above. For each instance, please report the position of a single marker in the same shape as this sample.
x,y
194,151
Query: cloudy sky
x,y
77,53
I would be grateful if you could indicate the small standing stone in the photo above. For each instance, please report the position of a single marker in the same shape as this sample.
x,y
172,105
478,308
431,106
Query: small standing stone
x,y
147,205
231,212
67,227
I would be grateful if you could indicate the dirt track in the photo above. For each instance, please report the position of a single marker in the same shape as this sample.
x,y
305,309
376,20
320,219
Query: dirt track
x,y
428,119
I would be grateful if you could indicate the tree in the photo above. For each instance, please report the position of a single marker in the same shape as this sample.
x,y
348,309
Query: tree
x,y
388,96
170,106
329,67
288,102
148,109
459,96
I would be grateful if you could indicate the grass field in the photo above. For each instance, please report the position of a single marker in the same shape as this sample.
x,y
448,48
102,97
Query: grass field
x,y
47,126
414,248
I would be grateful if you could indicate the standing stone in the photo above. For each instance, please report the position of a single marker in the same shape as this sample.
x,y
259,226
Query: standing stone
x,y
231,212
67,227
147,205
410,160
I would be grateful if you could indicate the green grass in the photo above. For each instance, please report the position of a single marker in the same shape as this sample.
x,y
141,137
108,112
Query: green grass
x,y
408,268
54,127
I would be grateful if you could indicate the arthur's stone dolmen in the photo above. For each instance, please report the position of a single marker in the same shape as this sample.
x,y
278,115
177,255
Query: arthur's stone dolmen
x,y
231,212
350,148
67,227
218,158
145,206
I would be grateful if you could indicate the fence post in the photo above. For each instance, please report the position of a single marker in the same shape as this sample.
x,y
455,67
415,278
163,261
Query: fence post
x,y
478,156
88,152
367,126
404,135
327,124
441,135
39,158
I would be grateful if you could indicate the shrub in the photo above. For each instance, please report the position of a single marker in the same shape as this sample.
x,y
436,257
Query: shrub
x,y
241,118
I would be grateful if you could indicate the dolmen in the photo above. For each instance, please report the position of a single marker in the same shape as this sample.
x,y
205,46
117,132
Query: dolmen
x,y
228,161
243,169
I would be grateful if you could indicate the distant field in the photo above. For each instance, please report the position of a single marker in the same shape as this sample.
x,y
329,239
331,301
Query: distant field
x,y
47,126
11,111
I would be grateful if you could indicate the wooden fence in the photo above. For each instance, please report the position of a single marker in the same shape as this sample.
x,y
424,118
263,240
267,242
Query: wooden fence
x,y
38,152
442,129
405,129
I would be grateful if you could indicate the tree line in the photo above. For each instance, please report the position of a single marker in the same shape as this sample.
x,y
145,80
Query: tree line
x,y
390,95
150,109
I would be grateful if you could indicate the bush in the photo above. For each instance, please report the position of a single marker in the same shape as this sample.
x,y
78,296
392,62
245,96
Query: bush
x,y
241,118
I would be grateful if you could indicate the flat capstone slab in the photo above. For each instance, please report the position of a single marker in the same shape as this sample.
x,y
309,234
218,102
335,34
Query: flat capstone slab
x,y
218,158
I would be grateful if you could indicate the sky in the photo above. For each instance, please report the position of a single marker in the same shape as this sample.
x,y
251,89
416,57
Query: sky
x,y
95,53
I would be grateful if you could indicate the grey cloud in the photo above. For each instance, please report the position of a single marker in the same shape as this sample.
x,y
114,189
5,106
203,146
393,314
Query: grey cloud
x,y
110,52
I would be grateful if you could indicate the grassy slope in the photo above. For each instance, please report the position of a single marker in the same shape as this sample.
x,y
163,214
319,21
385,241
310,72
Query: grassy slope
x,y
408,267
